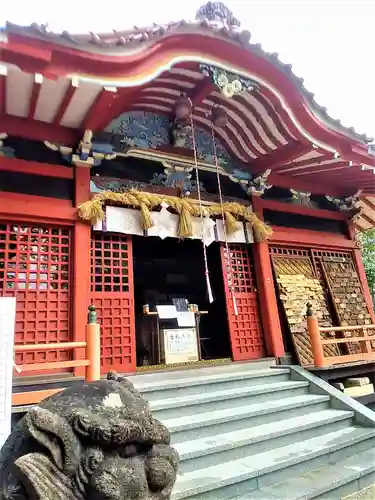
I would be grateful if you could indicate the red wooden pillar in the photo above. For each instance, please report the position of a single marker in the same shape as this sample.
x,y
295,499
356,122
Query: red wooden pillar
x,y
266,292
267,299
81,262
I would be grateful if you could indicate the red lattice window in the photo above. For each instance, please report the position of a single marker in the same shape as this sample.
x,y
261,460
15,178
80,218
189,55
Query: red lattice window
x,y
289,252
35,268
240,269
110,263
245,328
331,254
112,294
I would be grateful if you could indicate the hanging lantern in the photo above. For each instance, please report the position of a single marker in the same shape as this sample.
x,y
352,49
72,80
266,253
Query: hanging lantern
x,y
182,108
219,117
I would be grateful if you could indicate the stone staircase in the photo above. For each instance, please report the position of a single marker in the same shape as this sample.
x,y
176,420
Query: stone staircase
x,y
252,431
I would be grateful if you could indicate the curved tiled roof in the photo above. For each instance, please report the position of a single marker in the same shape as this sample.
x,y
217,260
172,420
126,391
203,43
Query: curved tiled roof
x,y
216,25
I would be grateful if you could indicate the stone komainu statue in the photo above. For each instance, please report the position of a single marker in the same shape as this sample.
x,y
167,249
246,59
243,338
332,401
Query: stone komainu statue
x,y
94,441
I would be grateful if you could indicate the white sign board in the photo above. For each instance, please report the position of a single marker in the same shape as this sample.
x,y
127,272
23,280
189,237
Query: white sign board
x,y
185,319
180,345
167,312
7,326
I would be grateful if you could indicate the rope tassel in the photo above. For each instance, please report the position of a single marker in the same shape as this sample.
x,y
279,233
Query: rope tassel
x,y
147,222
231,224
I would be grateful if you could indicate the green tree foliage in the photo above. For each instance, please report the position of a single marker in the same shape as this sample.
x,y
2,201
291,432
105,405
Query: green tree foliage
x,y
368,256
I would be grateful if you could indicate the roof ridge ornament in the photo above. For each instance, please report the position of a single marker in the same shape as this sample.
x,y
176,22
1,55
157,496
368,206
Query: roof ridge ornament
x,y
217,12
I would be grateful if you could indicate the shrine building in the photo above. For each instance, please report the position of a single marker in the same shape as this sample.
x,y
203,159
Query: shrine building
x,y
184,182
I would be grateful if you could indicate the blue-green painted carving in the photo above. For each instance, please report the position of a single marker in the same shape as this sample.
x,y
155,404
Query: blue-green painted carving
x,y
99,184
180,179
143,129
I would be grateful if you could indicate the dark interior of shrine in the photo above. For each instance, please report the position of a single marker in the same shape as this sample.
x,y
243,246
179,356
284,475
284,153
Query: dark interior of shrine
x,y
169,269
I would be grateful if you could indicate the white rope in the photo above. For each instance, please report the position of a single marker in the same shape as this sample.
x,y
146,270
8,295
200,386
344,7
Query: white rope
x,y
228,268
208,283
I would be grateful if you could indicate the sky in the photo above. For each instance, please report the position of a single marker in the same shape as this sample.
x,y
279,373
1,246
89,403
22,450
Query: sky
x,y
330,43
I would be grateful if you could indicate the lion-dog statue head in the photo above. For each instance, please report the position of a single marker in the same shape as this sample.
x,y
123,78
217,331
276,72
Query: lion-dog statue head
x,y
94,441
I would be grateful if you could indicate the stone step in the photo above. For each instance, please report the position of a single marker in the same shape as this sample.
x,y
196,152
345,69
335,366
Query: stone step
x,y
246,475
215,450
164,409
216,422
329,482
201,371
202,383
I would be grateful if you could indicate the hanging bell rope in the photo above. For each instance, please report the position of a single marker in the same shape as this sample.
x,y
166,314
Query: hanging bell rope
x,y
219,119
206,270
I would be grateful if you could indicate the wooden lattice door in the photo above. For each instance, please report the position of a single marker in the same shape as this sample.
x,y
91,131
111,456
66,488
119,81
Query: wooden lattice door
x,y
345,288
244,327
338,269
298,284
35,268
112,292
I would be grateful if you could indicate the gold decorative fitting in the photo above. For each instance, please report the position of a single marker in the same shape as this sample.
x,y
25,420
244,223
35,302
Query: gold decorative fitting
x,y
92,210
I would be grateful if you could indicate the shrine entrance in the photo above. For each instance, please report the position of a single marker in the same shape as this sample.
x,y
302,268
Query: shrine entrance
x,y
175,323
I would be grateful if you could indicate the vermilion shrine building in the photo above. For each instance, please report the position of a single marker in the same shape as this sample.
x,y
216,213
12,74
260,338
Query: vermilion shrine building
x,y
98,176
